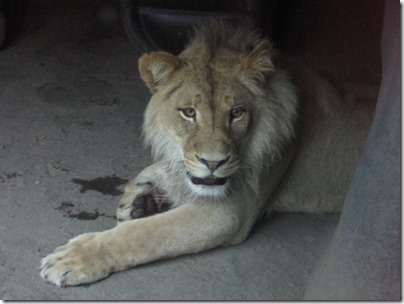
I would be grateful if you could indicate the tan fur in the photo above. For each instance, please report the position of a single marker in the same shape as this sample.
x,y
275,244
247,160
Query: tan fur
x,y
223,107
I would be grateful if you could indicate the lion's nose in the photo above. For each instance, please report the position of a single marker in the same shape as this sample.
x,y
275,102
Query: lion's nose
x,y
212,164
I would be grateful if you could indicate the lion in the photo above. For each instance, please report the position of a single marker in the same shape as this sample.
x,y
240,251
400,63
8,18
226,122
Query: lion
x,y
231,138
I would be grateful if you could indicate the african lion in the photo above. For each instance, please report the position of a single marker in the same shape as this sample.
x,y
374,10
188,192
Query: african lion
x,y
222,125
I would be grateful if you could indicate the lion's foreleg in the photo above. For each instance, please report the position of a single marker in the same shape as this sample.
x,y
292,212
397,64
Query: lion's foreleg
x,y
187,229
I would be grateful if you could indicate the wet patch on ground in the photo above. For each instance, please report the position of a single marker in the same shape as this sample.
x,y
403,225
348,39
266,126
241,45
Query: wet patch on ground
x,y
106,185
12,175
81,93
8,176
67,209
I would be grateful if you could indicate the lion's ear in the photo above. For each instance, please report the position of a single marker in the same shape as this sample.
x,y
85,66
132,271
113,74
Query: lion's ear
x,y
157,68
257,64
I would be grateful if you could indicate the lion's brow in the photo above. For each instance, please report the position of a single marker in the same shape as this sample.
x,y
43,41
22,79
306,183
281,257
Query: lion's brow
x,y
173,89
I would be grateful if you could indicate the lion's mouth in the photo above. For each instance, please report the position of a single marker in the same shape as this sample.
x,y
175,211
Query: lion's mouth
x,y
210,180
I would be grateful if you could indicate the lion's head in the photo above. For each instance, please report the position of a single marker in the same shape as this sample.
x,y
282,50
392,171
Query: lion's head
x,y
220,109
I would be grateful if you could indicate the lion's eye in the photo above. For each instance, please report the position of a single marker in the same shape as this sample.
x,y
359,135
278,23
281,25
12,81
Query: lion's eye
x,y
237,112
188,113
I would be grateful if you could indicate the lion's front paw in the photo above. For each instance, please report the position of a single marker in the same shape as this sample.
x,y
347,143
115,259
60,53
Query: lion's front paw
x,y
79,261
141,200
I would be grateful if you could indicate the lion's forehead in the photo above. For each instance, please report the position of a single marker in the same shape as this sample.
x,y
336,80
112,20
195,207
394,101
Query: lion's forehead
x,y
209,88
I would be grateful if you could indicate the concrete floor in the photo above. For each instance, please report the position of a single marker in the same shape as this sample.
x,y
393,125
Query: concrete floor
x,y
71,106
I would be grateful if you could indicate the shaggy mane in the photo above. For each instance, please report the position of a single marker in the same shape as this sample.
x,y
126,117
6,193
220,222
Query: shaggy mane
x,y
208,38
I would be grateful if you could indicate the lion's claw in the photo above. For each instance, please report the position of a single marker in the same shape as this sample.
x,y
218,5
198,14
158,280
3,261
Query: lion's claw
x,y
75,263
49,272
